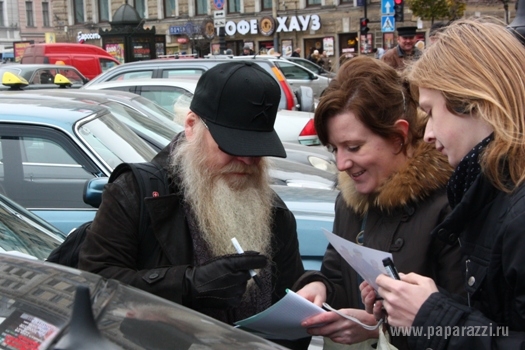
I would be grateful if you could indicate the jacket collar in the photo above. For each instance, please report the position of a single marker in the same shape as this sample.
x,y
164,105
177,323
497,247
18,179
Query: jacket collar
x,y
423,173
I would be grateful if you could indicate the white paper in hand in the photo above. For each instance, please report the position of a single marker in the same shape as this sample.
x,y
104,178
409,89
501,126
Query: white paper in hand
x,y
367,262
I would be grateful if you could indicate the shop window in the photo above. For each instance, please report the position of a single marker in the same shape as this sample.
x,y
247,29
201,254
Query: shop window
x,y
314,2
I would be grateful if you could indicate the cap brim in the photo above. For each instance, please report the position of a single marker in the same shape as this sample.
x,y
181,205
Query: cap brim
x,y
245,143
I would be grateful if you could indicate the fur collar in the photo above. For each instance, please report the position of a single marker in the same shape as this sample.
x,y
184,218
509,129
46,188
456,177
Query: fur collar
x,y
426,171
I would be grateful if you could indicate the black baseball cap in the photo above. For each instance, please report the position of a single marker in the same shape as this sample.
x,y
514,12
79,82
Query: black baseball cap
x,y
238,102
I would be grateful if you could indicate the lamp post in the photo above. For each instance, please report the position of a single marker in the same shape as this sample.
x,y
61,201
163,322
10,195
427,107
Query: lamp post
x,y
517,26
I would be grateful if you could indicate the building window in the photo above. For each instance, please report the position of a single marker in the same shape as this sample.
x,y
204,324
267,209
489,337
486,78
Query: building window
x,y
29,14
266,5
78,8
2,23
314,2
169,8
141,8
234,6
103,10
202,7
45,14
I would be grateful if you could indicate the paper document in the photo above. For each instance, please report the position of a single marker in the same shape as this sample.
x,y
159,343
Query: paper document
x,y
283,319
367,262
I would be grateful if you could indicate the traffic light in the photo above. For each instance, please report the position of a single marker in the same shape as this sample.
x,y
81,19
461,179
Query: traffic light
x,y
398,10
363,26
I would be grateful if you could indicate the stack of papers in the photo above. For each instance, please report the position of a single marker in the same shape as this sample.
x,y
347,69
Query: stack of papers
x,y
283,319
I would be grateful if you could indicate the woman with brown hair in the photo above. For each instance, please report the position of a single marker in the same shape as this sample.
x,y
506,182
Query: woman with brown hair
x,y
392,193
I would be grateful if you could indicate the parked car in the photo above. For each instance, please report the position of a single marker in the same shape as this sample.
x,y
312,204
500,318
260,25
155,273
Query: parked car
x,y
22,233
296,74
50,148
310,66
42,76
136,112
48,306
291,126
300,99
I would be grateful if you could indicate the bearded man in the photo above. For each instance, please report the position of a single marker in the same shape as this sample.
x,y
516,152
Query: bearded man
x,y
219,189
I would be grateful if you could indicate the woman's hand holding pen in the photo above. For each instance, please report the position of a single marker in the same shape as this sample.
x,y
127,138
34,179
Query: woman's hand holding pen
x,y
401,299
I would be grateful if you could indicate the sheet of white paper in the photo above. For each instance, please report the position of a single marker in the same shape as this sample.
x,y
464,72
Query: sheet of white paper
x,y
367,262
283,319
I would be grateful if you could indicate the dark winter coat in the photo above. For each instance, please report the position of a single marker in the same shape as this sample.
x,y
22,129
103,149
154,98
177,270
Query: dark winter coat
x,y
490,226
408,206
112,246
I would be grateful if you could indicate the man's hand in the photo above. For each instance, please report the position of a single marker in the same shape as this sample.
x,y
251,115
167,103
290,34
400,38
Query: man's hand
x,y
314,292
221,282
403,299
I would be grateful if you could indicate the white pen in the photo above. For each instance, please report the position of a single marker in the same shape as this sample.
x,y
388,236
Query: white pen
x,y
239,250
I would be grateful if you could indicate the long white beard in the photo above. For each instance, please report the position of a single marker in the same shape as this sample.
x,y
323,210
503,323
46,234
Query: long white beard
x,y
224,207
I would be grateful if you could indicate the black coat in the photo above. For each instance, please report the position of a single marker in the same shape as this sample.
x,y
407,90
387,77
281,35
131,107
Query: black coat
x,y
111,248
408,206
490,226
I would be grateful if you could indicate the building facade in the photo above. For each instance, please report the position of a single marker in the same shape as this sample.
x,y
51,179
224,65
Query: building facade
x,y
192,26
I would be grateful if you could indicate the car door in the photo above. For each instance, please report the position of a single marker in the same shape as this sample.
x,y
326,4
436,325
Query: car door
x,y
297,75
43,170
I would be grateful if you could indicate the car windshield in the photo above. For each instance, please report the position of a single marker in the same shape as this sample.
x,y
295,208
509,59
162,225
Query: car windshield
x,y
145,127
114,142
19,233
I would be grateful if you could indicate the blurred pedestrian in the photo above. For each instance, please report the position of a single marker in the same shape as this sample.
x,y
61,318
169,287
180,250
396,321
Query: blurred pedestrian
x,y
405,50
392,193
471,83
247,51
296,52
219,189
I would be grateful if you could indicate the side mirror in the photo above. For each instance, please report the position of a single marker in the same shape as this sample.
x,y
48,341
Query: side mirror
x,y
93,191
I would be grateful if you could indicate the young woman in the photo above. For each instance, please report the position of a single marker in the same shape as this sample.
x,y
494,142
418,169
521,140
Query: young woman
x,y
392,192
471,84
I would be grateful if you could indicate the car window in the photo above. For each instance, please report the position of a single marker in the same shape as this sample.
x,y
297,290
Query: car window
x,y
114,142
106,64
172,73
164,96
42,171
73,76
292,71
133,75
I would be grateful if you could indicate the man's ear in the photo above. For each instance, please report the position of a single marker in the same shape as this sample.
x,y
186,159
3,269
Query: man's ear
x,y
189,125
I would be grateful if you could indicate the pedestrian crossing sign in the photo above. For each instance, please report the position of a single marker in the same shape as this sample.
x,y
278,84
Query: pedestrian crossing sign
x,y
388,24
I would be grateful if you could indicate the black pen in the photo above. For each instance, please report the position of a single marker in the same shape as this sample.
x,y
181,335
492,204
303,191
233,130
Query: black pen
x,y
239,250
391,268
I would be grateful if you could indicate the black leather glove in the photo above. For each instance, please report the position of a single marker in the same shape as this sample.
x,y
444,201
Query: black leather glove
x,y
221,282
